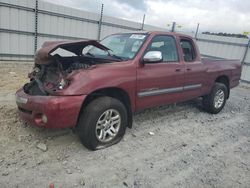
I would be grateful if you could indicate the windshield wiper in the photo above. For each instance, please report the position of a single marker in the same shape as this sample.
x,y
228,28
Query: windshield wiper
x,y
90,54
115,56
109,54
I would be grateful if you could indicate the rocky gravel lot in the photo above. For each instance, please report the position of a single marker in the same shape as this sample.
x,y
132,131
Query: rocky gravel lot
x,y
171,146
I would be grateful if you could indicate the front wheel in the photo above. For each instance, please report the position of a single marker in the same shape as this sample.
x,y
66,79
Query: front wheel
x,y
215,101
102,123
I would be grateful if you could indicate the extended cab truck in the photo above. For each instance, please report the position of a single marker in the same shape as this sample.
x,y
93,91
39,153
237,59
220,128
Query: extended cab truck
x,y
96,87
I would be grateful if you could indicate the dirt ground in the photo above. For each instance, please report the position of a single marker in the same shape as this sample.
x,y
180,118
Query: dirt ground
x,y
189,147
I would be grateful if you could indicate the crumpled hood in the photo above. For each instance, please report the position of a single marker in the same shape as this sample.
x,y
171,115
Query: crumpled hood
x,y
76,47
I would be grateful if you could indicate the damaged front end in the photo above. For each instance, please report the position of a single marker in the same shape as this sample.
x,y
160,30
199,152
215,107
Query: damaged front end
x,y
52,72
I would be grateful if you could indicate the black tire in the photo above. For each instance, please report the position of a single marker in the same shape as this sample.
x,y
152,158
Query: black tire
x,y
209,103
92,113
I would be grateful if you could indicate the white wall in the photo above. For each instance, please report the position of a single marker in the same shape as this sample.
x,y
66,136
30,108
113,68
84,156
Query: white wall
x,y
55,22
224,47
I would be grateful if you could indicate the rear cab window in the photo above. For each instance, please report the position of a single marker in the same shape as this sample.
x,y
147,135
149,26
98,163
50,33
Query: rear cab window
x,y
188,50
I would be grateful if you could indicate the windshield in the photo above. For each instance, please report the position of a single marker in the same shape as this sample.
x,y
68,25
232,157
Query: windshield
x,y
123,46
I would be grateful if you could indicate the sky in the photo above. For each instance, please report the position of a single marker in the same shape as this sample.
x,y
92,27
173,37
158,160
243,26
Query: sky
x,y
229,16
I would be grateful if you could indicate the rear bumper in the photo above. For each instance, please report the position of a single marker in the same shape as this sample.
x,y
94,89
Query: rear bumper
x,y
57,111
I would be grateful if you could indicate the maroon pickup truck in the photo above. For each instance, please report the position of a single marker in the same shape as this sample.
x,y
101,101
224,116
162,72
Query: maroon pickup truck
x,y
97,86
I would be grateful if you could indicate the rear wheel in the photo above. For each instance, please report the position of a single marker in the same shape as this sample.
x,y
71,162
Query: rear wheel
x,y
215,101
102,123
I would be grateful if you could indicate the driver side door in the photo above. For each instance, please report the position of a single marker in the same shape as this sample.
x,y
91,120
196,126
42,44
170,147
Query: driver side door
x,y
162,82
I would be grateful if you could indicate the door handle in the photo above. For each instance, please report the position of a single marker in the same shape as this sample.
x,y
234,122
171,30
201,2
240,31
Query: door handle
x,y
177,70
188,69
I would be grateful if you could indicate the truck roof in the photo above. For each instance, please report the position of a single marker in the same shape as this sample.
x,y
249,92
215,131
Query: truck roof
x,y
159,33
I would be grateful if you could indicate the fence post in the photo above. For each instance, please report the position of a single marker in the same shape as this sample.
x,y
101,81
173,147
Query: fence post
x,y
173,26
100,24
36,25
246,51
197,30
143,20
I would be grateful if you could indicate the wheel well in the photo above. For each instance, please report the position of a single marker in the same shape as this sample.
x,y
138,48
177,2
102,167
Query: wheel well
x,y
224,80
117,93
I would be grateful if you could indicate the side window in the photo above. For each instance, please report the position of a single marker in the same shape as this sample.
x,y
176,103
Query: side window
x,y
188,50
167,46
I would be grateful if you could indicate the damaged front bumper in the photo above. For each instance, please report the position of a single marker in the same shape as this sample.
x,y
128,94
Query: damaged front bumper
x,y
49,111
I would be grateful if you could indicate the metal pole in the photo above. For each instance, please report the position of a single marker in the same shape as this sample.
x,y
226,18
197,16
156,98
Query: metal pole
x,y
246,51
173,27
100,24
36,26
197,29
143,20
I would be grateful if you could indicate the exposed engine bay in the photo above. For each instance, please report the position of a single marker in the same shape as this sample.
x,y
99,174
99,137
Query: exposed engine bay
x,y
52,72
45,79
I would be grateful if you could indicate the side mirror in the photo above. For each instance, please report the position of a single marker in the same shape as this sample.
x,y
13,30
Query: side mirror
x,y
152,57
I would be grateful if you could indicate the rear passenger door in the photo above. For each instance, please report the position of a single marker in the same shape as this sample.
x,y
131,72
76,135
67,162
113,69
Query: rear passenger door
x,y
194,69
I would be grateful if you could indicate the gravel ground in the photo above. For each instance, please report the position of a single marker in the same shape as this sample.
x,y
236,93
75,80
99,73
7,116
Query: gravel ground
x,y
187,147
